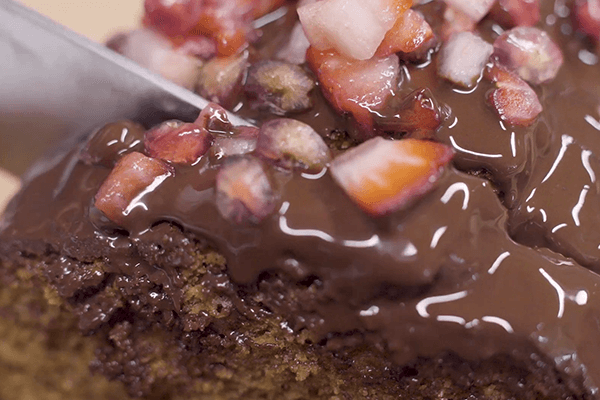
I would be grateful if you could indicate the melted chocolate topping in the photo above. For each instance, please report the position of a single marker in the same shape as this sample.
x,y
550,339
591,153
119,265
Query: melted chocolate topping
x,y
461,283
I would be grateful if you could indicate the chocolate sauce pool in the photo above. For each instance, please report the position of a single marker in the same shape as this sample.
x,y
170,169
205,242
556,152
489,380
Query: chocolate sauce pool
x,y
478,266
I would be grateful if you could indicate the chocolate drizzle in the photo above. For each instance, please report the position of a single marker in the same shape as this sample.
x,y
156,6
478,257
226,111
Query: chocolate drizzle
x,y
460,283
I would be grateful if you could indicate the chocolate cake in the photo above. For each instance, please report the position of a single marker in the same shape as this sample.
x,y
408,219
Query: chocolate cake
x,y
413,215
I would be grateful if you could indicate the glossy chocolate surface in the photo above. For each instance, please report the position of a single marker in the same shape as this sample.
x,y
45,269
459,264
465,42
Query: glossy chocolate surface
x,y
480,265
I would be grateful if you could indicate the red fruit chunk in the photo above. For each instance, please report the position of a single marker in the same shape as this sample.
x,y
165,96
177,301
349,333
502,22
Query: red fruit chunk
x,y
517,12
173,17
352,28
463,58
513,99
229,22
423,53
244,192
221,79
198,46
382,176
177,142
454,22
418,114
356,87
587,17
291,144
530,52
242,142
132,176
408,33
214,119
475,10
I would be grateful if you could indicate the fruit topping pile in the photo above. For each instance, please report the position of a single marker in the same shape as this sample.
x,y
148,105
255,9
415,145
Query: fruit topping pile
x,y
353,57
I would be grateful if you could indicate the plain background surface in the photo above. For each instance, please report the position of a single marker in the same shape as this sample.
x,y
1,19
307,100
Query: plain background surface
x,y
98,20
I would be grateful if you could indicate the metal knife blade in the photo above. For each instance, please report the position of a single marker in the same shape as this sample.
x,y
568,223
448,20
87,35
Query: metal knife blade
x,y
55,83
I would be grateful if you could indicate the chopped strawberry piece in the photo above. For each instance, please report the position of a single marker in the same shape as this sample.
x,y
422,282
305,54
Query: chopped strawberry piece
x,y
132,175
517,12
214,119
221,79
177,142
455,22
587,17
382,176
408,33
356,87
155,52
198,46
474,9
353,28
423,53
418,115
244,191
229,23
463,58
530,52
173,17
292,144
242,142
513,99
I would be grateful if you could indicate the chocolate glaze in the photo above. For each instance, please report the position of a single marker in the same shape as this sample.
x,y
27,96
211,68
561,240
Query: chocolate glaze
x,y
443,275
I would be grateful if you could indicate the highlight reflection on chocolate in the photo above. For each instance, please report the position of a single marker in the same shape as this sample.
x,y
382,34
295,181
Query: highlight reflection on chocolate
x,y
499,257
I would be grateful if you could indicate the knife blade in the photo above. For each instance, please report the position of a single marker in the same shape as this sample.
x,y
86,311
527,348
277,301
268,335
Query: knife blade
x,y
55,83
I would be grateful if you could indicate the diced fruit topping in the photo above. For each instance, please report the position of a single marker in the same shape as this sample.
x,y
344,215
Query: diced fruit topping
x,y
214,119
279,87
244,191
356,87
177,142
294,50
133,174
513,99
423,53
408,33
517,12
198,46
382,176
112,141
463,58
173,18
221,79
353,28
474,9
242,142
530,52
418,115
454,22
587,17
156,53
292,144
227,23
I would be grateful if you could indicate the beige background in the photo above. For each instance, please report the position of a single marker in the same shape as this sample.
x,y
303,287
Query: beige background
x,y
97,20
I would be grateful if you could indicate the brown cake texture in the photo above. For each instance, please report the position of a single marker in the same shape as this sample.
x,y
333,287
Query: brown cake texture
x,y
413,214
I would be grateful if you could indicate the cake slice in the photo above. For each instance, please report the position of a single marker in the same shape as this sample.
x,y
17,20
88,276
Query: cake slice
x,y
402,222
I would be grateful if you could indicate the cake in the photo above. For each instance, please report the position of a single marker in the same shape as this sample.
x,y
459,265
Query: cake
x,y
412,214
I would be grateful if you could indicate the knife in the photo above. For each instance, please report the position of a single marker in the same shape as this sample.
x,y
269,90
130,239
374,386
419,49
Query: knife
x,y
55,84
